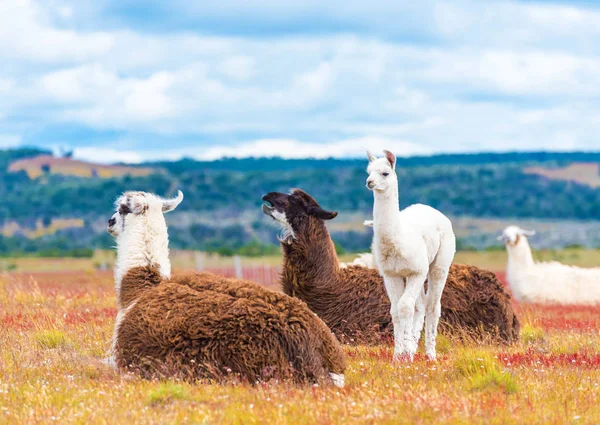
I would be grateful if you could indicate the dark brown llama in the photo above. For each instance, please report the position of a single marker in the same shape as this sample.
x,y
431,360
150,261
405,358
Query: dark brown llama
x,y
353,301
181,328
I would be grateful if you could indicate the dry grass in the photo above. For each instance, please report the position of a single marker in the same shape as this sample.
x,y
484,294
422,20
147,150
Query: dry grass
x,y
579,172
188,260
11,228
56,328
34,167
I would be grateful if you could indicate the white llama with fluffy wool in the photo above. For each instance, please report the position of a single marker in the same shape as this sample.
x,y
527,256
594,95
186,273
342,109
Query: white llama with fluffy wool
x,y
143,241
548,282
409,246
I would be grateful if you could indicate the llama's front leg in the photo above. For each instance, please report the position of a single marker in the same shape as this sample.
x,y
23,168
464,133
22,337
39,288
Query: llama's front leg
x,y
419,318
433,309
406,313
394,286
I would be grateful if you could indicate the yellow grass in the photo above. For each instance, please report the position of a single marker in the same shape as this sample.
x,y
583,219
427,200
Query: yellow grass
x,y
492,260
34,167
55,329
580,172
11,228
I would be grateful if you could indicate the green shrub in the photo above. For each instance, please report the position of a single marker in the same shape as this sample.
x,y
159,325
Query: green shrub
x,y
167,392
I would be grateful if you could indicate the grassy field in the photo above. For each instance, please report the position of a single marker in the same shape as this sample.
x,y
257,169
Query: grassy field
x,y
491,260
55,327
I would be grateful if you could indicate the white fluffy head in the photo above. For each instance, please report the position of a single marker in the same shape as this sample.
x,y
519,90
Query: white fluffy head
x,y
140,229
132,206
513,234
382,172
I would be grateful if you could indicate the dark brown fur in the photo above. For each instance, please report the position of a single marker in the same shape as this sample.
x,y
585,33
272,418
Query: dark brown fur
x,y
353,301
206,326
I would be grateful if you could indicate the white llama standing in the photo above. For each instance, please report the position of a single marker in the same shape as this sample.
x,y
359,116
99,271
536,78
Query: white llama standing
x,y
410,246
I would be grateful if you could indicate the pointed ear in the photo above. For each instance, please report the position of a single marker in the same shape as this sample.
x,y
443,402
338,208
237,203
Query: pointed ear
x,y
371,156
319,212
137,206
391,159
132,203
171,204
528,232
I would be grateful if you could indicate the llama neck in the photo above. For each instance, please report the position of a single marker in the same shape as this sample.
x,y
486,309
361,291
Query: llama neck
x,y
386,217
309,259
142,245
520,260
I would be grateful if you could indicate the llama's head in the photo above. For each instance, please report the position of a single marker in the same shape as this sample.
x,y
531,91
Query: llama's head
x,y
382,172
511,236
140,208
293,211
141,232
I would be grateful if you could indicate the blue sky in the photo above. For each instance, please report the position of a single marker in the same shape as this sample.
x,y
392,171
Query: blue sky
x,y
134,80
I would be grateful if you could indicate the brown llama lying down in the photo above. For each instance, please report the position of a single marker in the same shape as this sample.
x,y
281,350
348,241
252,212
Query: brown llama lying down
x,y
353,300
181,328
177,328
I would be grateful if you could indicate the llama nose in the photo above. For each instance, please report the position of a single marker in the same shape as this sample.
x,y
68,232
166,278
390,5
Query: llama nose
x,y
370,184
112,221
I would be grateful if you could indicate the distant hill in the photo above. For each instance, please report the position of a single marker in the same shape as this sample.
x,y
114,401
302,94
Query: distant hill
x,y
47,164
586,173
60,204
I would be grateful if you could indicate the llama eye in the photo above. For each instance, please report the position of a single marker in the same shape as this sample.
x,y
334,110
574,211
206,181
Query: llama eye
x,y
385,174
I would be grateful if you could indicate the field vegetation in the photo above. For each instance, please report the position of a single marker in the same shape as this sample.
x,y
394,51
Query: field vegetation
x,y
56,326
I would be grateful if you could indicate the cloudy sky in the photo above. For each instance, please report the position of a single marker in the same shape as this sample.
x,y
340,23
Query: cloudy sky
x,y
129,80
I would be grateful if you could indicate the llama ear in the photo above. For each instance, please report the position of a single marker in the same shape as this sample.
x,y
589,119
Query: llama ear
x,y
134,203
371,156
321,213
391,158
171,204
528,232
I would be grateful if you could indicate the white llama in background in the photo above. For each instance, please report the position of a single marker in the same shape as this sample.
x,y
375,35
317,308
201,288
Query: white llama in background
x,y
410,246
549,282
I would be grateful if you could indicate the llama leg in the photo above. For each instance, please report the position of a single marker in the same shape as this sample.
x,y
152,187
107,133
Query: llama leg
x,y
419,316
406,313
433,308
394,286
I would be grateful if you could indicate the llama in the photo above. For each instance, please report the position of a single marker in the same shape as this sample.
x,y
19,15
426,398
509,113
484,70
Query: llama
x,y
549,282
410,246
185,328
138,252
353,301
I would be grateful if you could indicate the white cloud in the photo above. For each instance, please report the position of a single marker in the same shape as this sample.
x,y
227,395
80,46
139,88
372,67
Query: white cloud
x,y
289,148
26,34
148,99
239,68
482,76
6,84
9,140
285,148
107,155
104,99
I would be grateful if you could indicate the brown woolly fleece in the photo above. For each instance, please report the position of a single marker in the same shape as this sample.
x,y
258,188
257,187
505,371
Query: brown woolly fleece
x,y
353,301
204,326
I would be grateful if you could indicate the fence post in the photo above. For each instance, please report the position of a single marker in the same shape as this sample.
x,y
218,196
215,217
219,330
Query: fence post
x,y
237,265
199,260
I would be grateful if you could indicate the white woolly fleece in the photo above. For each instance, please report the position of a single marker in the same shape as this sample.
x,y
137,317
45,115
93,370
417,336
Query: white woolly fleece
x,y
549,282
409,247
